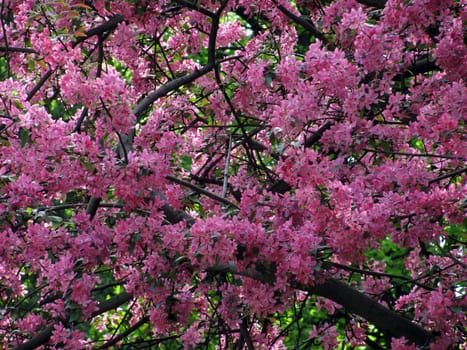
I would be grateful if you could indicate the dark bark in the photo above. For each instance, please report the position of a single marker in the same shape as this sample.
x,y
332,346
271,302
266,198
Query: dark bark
x,y
310,141
379,4
304,22
360,304
44,336
387,321
38,340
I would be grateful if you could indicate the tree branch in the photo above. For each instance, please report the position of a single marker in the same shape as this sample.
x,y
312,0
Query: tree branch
x,y
168,87
379,4
255,26
448,175
127,140
196,7
310,141
201,191
183,80
305,23
111,24
407,154
17,49
373,273
354,301
44,336
37,87
38,340
358,303
112,303
127,332
419,67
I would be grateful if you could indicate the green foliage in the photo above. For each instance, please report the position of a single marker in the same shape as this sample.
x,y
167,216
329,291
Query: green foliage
x,y
59,110
391,255
4,69
185,162
125,72
24,136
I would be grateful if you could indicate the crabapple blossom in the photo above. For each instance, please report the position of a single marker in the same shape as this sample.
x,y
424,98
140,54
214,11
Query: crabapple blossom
x,y
232,174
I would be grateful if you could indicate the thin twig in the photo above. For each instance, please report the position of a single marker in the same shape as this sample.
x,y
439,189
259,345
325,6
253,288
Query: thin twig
x,y
196,7
374,273
201,191
430,155
126,333
226,169
305,23
448,175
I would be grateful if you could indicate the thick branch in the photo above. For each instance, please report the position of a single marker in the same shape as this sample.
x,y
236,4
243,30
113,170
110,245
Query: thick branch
x,y
112,303
358,303
44,336
111,24
140,109
17,49
353,301
373,3
310,141
419,67
168,87
38,340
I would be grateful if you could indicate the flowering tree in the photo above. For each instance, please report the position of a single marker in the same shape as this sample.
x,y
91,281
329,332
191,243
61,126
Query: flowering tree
x,y
239,174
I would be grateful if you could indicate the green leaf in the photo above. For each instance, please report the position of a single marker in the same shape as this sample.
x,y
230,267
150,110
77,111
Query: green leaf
x,y
417,144
134,239
456,309
185,162
24,136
